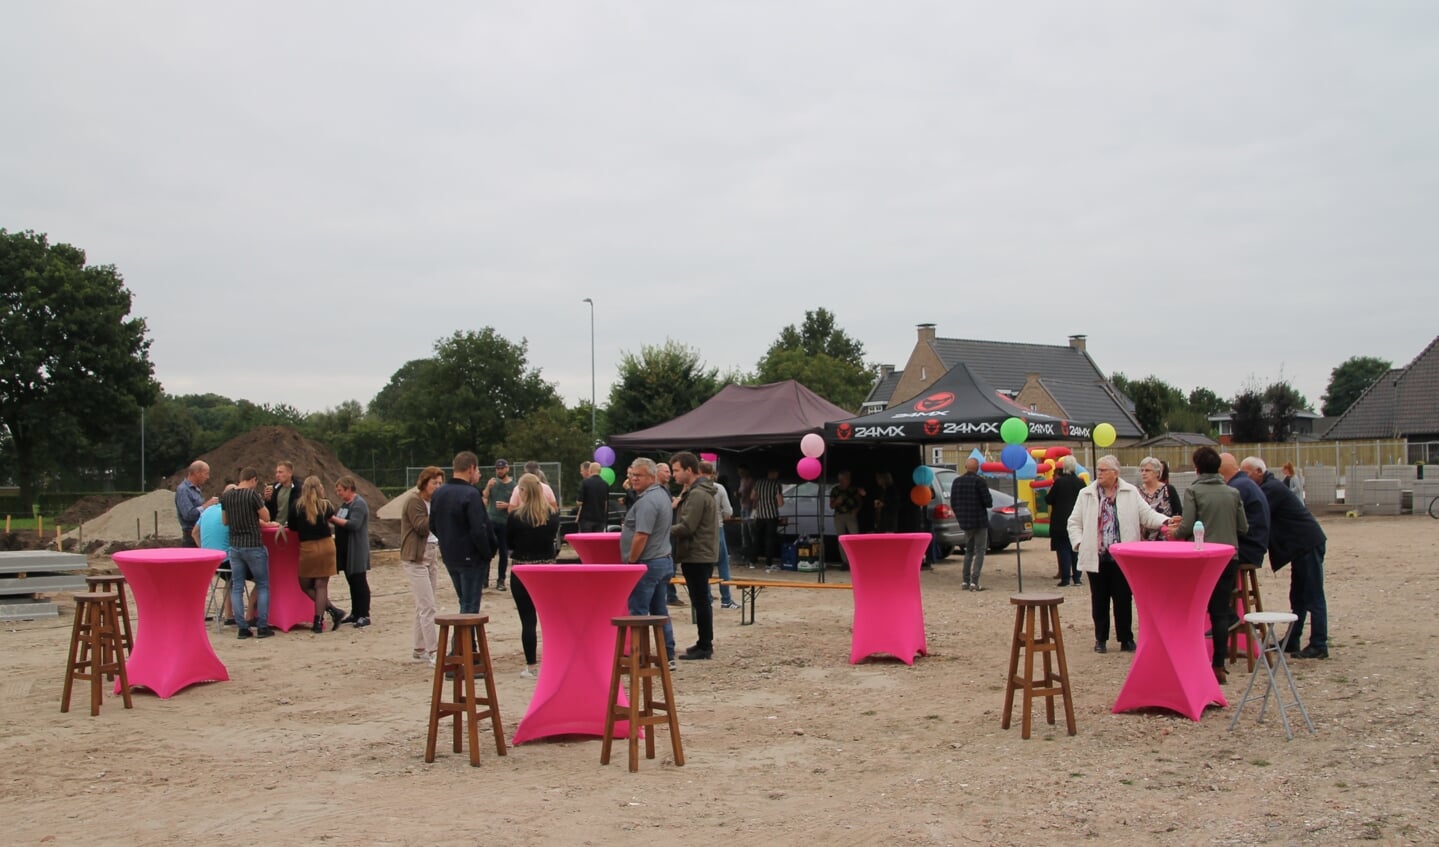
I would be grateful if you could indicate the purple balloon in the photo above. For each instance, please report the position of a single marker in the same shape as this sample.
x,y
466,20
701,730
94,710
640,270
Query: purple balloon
x,y
1014,456
605,455
808,468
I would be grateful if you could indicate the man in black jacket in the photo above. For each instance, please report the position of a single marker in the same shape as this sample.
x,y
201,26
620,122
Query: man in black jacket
x,y
594,499
458,519
971,501
1295,538
283,494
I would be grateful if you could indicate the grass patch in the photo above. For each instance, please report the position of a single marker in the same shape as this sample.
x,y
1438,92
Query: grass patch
x,y
1259,763
1126,782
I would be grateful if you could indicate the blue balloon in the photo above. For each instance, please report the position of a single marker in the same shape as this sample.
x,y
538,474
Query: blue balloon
x,y
923,475
1014,456
1030,469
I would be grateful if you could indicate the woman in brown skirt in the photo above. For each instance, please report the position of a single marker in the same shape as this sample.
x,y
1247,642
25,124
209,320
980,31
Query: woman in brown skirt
x,y
310,521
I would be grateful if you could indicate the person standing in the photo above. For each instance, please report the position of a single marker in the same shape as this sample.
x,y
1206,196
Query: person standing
x,y
460,523
645,540
971,501
310,515
695,536
244,513
1211,500
766,499
745,492
282,495
1295,538
212,534
1294,481
499,492
532,529
517,496
1062,496
593,514
844,499
663,477
352,547
419,554
189,501
886,503
1107,512
1157,492
725,512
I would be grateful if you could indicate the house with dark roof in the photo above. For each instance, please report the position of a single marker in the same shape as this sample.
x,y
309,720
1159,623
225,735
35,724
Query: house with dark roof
x,y
1060,380
1403,403
1307,425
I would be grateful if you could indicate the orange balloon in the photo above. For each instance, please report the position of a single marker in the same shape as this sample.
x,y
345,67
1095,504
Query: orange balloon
x,y
920,495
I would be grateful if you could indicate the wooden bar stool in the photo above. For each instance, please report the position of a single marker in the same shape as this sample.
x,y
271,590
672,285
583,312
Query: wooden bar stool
x,y
1049,643
95,649
115,583
646,660
467,656
1245,598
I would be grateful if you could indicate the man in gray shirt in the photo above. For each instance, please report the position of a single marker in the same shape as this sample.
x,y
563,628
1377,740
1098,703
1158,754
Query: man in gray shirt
x,y
645,540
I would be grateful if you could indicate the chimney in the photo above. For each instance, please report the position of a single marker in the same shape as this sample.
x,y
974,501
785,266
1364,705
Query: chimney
x,y
926,333
1077,342
885,371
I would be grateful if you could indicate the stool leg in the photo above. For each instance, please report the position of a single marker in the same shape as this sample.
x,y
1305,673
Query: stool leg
x,y
612,704
639,658
1010,683
73,660
1063,673
94,649
436,694
492,700
128,633
116,651
667,684
464,693
1028,719
1047,636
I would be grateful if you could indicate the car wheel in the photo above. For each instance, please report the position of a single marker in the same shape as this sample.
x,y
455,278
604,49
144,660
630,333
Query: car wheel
x,y
945,550
995,548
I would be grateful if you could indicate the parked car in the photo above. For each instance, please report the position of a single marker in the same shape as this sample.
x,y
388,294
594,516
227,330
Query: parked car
x,y
804,507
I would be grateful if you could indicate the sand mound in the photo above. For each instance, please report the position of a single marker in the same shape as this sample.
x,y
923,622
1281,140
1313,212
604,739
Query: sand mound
x,y
395,509
263,447
88,508
147,516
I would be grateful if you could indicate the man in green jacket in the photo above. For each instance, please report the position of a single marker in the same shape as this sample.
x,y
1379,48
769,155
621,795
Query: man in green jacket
x,y
1211,500
695,536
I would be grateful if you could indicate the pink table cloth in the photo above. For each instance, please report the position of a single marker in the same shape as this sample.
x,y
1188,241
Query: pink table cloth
x,y
289,606
1172,582
596,548
172,649
575,604
888,607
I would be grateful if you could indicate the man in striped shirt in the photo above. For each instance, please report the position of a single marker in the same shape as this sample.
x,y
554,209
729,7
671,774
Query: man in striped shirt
x,y
766,499
244,514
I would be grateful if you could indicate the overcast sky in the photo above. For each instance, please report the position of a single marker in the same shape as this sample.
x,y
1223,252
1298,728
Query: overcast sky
x,y
304,196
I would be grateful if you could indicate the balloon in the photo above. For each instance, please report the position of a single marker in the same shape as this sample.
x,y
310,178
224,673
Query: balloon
x,y
923,475
808,467
1014,431
608,475
920,495
812,445
605,455
1104,435
1014,457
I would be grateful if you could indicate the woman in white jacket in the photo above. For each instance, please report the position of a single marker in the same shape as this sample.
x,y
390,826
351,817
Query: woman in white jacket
x,y
1108,511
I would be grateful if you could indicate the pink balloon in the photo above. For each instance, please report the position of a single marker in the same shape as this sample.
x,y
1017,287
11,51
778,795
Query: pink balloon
x,y
808,468
812,446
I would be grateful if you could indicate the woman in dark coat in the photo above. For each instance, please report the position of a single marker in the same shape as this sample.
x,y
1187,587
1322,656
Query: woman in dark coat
x,y
1062,496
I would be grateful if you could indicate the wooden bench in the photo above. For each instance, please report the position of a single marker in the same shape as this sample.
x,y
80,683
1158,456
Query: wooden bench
x,y
749,588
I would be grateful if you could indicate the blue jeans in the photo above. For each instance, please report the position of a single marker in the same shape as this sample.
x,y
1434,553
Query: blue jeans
x,y
1306,597
725,598
469,585
250,563
648,598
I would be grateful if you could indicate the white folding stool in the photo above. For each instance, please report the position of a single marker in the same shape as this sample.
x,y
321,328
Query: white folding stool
x,y
1271,656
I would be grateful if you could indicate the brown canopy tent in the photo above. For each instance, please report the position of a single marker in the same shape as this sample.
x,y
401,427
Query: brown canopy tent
x,y
741,417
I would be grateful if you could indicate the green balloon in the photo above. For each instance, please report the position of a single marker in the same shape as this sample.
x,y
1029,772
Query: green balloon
x,y
608,475
1014,431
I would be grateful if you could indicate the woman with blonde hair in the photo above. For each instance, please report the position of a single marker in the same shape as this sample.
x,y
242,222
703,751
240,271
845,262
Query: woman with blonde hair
x,y
531,531
418,547
310,521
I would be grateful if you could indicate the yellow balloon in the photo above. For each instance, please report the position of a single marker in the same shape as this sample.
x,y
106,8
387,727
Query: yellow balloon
x,y
1104,435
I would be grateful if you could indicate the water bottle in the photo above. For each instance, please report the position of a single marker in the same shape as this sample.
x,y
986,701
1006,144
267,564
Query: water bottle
x,y
1199,535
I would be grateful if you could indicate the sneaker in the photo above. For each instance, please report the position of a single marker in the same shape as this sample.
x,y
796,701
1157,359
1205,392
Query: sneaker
x,y
1077,582
245,632
360,623
673,666
729,604
1312,652
229,621
264,632
418,655
976,587
528,674
430,659
499,586
968,587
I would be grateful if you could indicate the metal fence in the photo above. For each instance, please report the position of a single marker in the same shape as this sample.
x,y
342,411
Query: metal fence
x,y
553,474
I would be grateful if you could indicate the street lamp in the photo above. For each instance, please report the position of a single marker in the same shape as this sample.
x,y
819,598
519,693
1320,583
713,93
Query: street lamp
x,y
594,428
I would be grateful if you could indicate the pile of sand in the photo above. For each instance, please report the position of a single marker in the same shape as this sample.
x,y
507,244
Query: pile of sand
x,y
395,509
147,516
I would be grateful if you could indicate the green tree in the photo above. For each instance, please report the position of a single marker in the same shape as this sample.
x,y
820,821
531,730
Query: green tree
x,y
1282,404
1349,380
820,356
1249,423
70,354
1205,402
1154,400
662,382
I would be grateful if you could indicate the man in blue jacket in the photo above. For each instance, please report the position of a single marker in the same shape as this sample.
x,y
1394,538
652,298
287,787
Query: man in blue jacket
x,y
1296,539
459,520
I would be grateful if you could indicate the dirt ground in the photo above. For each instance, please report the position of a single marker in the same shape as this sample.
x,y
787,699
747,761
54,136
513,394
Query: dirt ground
x,y
320,737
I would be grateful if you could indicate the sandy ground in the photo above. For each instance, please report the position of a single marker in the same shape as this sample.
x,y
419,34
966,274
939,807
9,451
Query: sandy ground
x,y
320,738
